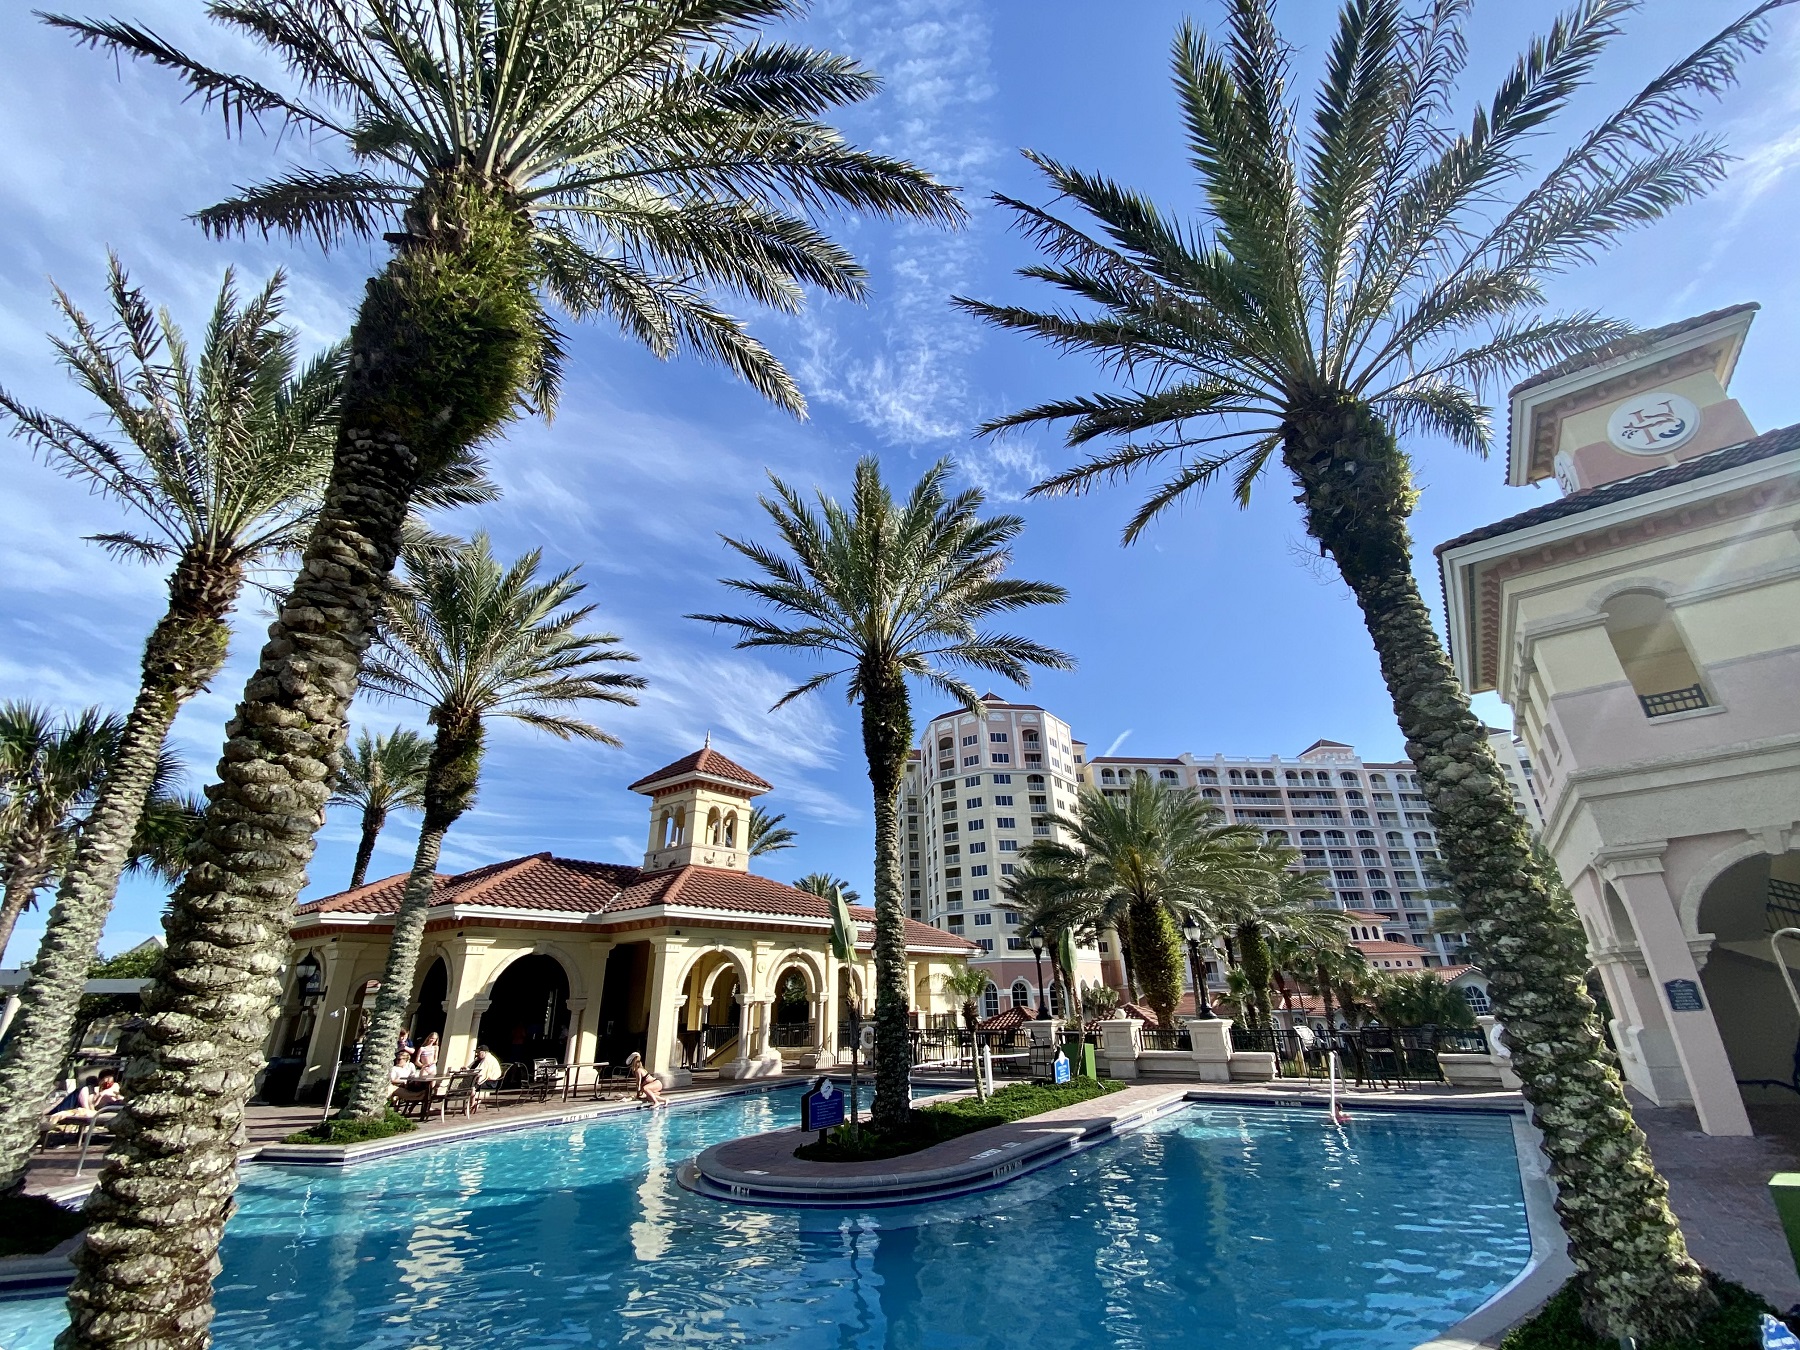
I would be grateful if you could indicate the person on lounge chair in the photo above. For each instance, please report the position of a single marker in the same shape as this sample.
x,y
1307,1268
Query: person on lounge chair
x,y
649,1090
85,1102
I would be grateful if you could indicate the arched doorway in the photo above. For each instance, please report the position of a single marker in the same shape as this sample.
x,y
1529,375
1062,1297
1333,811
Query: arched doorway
x,y
528,1012
1741,908
624,1024
428,1015
792,1025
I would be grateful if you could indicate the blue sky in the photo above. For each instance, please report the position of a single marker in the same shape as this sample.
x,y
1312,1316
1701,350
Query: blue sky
x,y
1215,633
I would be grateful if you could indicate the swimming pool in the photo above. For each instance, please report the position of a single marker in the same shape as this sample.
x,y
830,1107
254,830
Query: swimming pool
x,y
1233,1228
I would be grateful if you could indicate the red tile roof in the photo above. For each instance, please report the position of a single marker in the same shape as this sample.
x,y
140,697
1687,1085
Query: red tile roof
x,y
1623,348
543,882
709,763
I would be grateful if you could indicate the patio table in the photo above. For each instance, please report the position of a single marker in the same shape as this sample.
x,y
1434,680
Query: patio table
x,y
572,1078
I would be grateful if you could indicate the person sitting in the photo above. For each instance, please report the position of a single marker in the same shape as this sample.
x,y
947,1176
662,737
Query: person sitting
x,y
426,1056
649,1088
488,1072
86,1102
403,1071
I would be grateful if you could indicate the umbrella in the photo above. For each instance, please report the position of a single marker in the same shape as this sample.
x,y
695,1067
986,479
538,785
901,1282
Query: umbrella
x,y
843,928
1065,954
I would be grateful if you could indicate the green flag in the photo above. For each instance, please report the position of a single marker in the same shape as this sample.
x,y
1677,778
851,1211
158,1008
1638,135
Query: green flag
x,y
843,927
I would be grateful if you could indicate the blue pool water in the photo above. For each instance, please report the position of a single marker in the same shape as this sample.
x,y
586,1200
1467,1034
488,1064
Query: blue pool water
x,y
1218,1226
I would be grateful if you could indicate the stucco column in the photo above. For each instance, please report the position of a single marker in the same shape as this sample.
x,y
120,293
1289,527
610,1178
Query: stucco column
x,y
573,1050
1638,879
469,959
659,1053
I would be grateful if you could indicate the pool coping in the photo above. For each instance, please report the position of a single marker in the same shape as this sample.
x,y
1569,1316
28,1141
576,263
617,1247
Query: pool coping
x,y
940,1172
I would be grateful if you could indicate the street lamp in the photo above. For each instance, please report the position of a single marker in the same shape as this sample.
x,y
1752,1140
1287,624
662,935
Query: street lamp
x,y
1036,938
1194,934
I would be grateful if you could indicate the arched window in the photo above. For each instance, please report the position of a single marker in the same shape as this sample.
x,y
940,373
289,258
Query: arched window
x,y
1269,777
944,743
1422,839
1035,780
1143,776
1211,794
1369,855
1334,836
715,830
1106,775
1395,839
1348,778
1167,775
1479,1003
1650,647
731,830
1021,994
1309,837
1236,776
1293,777
1360,816
1378,780
1055,995
1208,776
1278,836
1365,836
1352,795
990,1001
1381,898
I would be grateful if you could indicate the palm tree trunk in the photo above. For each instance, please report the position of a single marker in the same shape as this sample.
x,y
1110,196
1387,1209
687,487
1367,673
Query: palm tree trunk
x,y
449,790
1156,948
184,651
444,340
373,820
887,736
1324,982
1637,1278
23,881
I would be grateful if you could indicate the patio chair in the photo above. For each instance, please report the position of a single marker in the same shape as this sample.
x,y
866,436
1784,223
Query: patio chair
x,y
459,1090
546,1077
410,1095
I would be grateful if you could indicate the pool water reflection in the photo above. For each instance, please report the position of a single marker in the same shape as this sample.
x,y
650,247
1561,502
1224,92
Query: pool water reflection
x,y
1217,1226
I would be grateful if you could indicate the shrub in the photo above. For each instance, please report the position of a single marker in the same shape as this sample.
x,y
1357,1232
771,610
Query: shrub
x,y
950,1120
353,1130
1734,1325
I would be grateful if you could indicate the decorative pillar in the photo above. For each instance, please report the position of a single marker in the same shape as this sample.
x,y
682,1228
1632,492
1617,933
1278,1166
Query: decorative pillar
x,y
1637,876
574,1050
659,1053
322,1044
468,959
1121,1037
1210,1039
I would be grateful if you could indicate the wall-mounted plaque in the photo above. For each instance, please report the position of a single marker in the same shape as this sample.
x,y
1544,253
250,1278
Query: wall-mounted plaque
x,y
1684,996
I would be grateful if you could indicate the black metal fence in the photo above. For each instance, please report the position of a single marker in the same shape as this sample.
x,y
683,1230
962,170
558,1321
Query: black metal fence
x,y
1155,1038
790,1035
1367,1057
958,1048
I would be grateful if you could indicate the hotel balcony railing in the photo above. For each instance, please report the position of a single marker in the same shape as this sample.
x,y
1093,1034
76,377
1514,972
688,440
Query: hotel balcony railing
x,y
790,1035
1674,701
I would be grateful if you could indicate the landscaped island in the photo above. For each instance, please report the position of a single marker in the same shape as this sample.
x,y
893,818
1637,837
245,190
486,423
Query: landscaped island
x,y
949,1120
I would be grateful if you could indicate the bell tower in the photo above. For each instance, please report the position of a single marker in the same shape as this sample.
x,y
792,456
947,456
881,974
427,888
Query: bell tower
x,y
700,812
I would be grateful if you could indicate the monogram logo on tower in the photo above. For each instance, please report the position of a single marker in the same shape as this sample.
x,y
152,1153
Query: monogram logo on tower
x,y
1653,423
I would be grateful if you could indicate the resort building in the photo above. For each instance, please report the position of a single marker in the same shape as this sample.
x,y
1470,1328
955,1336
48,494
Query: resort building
x,y
690,959
1645,629
979,789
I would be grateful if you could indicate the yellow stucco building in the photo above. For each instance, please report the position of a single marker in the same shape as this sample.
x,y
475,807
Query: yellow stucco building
x,y
690,959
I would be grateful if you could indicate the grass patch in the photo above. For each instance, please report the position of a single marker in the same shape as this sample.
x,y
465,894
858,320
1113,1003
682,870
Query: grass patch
x,y
934,1124
353,1130
1733,1325
31,1225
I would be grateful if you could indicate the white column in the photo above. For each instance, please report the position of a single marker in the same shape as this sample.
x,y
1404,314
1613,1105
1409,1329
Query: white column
x,y
659,1054
1638,878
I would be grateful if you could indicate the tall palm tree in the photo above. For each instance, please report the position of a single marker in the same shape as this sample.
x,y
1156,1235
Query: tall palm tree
x,y
898,591
1142,861
1320,962
50,769
766,834
825,885
381,774
630,158
966,984
1346,285
220,454
469,641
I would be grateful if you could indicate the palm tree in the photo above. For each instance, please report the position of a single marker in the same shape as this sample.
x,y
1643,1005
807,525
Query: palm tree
x,y
1348,285
766,833
897,590
1142,861
1262,921
965,984
1320,962
825,885
221,454
469,641
383,773
1421,999
50,769
633,159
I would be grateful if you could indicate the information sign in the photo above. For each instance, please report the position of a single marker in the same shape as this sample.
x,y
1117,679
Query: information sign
x,y
1684,996
1059,1067
822,1107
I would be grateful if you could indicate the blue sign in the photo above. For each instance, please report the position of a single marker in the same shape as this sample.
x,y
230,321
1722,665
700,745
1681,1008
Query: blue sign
x,y
823,1107
1776,1336
1059,1067
1684,996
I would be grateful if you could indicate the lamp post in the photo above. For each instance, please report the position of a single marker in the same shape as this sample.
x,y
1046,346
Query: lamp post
x,y
1194,933
1036,938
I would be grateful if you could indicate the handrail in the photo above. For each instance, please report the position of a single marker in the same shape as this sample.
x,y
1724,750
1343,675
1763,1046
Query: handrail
x,y
1787,975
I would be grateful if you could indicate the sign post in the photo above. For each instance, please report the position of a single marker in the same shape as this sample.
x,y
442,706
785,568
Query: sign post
x,y
822,1107
1059,1068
